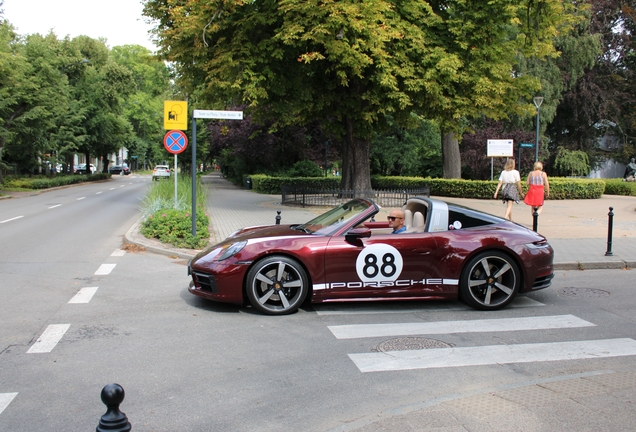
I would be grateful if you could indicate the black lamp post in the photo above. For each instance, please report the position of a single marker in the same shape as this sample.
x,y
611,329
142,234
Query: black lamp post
x,y
538,100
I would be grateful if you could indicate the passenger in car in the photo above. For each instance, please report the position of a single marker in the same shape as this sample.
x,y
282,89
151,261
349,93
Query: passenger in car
x,y
396,221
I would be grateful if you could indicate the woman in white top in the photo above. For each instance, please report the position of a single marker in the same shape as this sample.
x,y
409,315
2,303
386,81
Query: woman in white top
x,y
511,181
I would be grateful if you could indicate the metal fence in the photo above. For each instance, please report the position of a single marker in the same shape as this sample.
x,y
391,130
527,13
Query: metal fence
x,y
302,196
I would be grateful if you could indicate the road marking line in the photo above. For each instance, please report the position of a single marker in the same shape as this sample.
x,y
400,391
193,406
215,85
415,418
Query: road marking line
x,y
493,354
354,331
112,188
5,400
49,338
423,306
79,199
97,193
118,252
56,205
12,219
122,185
84,295
105,269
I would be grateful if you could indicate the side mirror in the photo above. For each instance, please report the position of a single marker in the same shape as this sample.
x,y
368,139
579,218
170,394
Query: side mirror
x,y
357,233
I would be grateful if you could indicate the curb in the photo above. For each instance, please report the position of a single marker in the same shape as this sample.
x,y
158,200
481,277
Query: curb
x,y
131,238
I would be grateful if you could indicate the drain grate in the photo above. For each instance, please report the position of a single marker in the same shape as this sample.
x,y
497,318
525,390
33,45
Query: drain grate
x,y
410,343
583,292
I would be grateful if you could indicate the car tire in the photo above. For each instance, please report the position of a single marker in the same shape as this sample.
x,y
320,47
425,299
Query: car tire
x,y
277,285
489,281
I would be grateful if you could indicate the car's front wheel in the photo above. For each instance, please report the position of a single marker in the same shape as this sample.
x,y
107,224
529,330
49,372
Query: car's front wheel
x,y
490,281
277,285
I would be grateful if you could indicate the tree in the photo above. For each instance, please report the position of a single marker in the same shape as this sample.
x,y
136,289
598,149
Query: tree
x,y
348,63
144,107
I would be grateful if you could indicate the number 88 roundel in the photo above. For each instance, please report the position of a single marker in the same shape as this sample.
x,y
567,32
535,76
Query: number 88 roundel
x,y
379,262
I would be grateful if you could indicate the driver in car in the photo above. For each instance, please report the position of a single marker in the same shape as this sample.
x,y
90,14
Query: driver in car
x,y
396,221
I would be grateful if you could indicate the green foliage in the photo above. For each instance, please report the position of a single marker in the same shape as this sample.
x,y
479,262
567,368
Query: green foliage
x,y
619,187
305,168
19,182
175,227
264,184
170,223
415,150
560,188
572,162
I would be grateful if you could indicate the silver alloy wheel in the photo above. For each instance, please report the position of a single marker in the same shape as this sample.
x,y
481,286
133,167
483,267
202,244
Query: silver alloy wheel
x,y
277,285
490,281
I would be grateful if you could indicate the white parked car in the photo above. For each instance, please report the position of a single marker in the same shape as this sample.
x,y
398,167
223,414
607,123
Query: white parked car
x,y
161,172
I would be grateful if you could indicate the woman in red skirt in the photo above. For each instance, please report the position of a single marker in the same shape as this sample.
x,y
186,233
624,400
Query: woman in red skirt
x,y
539,185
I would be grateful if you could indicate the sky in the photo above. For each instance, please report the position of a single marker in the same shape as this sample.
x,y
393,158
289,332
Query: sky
x,y
119,21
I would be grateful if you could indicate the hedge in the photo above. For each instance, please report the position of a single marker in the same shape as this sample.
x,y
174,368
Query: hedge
x,y
619,187
49,182
560,188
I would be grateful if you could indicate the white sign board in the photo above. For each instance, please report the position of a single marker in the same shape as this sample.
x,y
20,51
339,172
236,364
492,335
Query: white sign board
x,y
227,115
500,148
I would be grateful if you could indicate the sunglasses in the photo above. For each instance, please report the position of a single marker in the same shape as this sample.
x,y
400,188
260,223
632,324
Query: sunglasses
x,y
392,218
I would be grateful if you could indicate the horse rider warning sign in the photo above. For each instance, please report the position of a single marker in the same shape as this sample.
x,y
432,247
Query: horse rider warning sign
x,y
175,115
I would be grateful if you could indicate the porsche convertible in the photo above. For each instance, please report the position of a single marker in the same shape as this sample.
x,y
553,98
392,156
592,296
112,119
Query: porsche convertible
x,y
447,252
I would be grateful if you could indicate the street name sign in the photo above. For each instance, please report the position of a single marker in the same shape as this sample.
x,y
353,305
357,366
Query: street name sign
x,y
529,145
211,114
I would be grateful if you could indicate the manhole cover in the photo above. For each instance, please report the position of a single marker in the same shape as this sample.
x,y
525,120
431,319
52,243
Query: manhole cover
x,y
583,292
410,343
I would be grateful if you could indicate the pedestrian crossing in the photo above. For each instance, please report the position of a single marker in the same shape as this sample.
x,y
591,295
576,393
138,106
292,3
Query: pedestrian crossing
x,y
406,358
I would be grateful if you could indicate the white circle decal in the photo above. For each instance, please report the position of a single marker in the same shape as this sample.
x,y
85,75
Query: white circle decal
x,y
457,225
379,262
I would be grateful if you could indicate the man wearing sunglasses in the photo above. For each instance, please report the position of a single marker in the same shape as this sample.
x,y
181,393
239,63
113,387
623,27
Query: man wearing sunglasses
x,y
396,221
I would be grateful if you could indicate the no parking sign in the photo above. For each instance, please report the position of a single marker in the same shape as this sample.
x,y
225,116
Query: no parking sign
x,y
175,141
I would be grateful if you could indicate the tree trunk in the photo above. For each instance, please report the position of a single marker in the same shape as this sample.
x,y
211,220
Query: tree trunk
x,y
451,159
356,173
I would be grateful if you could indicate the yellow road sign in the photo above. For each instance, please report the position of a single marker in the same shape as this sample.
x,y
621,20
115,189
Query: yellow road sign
x,y
175,115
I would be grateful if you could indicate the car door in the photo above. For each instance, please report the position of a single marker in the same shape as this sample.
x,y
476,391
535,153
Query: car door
x,y
381,266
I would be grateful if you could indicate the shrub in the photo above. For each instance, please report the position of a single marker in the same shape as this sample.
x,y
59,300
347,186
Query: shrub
x,y
619,187
560,188
305,168
172,223
50,182
175,227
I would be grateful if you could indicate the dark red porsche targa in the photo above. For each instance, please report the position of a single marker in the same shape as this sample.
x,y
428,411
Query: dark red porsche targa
x,y
447,252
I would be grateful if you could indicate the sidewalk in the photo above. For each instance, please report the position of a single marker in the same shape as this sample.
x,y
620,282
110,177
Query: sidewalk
x,y
576,229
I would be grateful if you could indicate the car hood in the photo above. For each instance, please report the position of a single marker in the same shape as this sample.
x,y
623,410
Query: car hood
x,y
258,232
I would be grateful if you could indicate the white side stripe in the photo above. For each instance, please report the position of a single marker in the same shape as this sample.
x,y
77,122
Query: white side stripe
x,y
105,269
84,295
49,338
494,354
12,219
56,205
5,400
468,326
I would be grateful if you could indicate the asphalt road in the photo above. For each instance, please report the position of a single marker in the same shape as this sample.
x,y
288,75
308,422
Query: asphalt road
x,y
191,365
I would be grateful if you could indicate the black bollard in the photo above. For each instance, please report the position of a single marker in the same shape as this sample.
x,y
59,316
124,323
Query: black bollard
x,y
610,227
114,420
278,218
535,219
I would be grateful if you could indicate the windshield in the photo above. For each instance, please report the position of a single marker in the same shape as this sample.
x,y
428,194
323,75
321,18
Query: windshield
x,y
328,223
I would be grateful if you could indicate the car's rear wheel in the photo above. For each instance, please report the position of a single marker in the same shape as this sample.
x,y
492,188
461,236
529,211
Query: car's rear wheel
x,y
490,281
277,285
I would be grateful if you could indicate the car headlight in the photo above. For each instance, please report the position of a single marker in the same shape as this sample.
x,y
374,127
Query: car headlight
x,y
232,250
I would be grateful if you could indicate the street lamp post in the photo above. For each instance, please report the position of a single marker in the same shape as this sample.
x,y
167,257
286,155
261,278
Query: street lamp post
x,y
538,100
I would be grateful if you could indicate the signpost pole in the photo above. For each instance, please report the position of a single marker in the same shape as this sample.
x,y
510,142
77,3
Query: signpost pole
x,y
175,181
194,176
